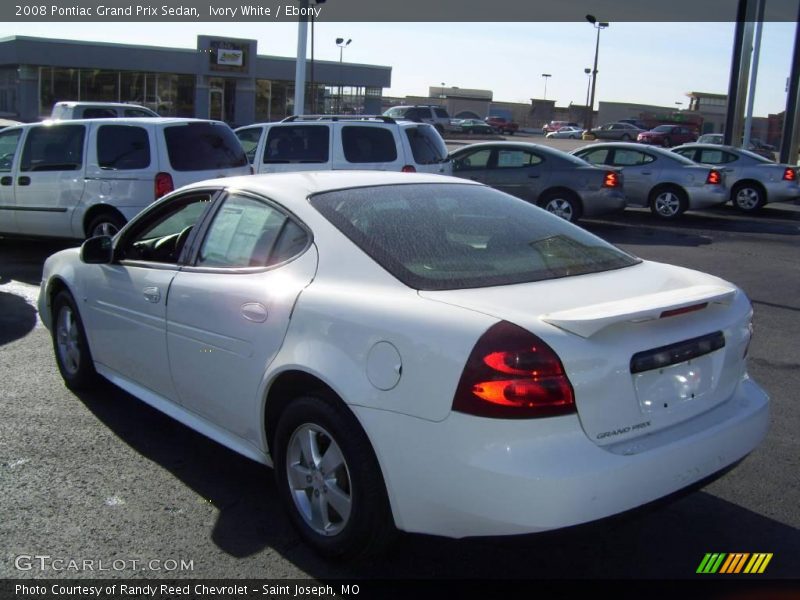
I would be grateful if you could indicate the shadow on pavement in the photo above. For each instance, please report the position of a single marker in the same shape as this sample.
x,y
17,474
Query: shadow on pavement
x,y
22,259
17,318
658,541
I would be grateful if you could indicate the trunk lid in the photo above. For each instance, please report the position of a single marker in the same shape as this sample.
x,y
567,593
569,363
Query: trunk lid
x,y
645,347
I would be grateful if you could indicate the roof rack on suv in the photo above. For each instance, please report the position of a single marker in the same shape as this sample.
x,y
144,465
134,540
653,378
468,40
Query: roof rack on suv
x,y
337,118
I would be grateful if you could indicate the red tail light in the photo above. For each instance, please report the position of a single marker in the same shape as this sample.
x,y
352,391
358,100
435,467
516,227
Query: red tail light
x,y
512,374
409,169
164,184
789,174
611,180
714,177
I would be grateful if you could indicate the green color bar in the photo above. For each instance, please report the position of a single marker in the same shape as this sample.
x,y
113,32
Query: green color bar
x,y
717,564
701,568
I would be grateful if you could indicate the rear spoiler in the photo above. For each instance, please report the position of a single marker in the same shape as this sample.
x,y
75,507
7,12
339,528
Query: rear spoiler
x,y
588,320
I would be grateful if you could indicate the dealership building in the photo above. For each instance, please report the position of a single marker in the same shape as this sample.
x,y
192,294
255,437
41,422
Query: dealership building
x,y
222,78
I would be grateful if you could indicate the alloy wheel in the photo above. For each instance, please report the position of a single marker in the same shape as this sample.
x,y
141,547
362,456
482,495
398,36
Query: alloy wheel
x,y
319,479
67,340
561,208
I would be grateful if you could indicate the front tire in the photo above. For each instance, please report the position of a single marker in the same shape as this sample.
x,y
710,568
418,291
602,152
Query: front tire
x,y
668,202
562,204
329,480
73,357
748,198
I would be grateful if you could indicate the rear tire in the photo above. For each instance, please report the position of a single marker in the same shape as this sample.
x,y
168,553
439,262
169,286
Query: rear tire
x,y
329,479
626,138
667,143
668,202
106,223
564,204
748,197
73,357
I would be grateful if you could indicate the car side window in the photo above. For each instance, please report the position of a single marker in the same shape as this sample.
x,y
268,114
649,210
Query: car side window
x,y
716,157
297,143
596,157
162,237
123,147
249,139
475,160
363,144
689,153
54,148
99,113
248,232
136,112
9,141
511,159
630,158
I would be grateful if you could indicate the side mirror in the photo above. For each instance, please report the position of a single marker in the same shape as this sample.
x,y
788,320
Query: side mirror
x,y
98,250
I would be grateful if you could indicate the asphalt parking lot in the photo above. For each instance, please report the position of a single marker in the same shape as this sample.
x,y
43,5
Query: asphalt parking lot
x,y
102,476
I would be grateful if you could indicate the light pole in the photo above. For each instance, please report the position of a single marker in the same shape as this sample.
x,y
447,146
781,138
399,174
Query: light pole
x,y
342,45
599,26
588,72
546,77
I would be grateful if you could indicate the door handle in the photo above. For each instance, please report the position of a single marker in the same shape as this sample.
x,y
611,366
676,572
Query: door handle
x,y
533,177
152,294
24,180
7,180
647,172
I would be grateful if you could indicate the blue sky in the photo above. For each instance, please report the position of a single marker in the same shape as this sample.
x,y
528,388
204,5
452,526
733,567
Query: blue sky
x,y
648,63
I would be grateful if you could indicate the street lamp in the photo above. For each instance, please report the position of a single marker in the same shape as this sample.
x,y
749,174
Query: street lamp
x,y
597,25
342,45
546,77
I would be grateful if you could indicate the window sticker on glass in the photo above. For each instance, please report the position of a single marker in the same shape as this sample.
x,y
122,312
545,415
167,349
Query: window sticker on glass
x,y
510,158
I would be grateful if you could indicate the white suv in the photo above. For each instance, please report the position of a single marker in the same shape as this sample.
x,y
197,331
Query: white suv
x,y
421,113
80,178
98,110
326,142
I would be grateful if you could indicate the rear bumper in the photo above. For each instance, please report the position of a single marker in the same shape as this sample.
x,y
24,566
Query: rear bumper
x,y
468,476
707,195
782,191
602,201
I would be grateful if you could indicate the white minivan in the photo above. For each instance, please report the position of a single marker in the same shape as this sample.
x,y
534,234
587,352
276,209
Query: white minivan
x,y
78,179
363,143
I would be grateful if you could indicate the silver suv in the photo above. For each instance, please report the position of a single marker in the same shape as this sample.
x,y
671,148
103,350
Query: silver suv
x,y
420,113
313,143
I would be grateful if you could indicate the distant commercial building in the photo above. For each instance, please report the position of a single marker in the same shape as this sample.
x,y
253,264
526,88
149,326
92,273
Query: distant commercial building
x,y
221,79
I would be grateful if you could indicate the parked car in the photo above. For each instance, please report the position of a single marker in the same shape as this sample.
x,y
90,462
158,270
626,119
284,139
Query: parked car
x,y
79,178
667,183
566,132
635,123
98,110
413,352
752,179
616,131
503,125
764,150
667,135
474,126
320,143
420,113
556,125
556,181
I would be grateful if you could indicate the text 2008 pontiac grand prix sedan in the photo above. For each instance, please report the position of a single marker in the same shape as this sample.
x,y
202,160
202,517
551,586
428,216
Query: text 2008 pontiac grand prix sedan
x,y
413,352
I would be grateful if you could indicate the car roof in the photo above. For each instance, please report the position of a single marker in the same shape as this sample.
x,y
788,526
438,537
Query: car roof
x,y
709,146
72,103
297,186
123,120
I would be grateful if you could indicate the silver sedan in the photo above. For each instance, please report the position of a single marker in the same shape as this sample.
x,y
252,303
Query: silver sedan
x,y
667,183
567,132
554,180
752,179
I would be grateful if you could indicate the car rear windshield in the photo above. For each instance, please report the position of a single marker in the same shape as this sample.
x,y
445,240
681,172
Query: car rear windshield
x,y
427,145
203,147
454,236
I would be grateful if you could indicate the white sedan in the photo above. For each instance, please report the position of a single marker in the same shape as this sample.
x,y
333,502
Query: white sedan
x,y
568,132
412,352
